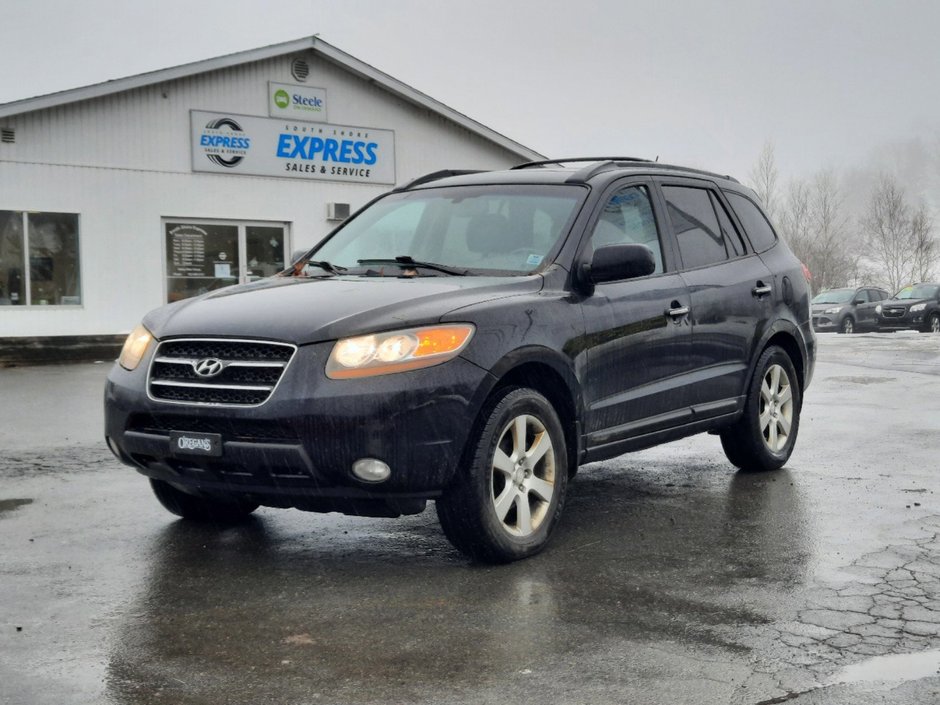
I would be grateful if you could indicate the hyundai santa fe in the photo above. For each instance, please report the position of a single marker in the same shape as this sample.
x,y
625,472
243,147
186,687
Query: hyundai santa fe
x,y
472,338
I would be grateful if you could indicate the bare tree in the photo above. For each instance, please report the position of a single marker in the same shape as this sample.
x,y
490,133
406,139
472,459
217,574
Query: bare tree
x,y
888,233
812,220
831,248
926,253
794,220
763,179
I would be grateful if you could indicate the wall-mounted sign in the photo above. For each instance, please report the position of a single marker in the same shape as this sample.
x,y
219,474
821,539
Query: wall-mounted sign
x,y
223,143
286,100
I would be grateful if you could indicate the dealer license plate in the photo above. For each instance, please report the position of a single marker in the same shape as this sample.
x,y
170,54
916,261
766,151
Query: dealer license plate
x,y
187,443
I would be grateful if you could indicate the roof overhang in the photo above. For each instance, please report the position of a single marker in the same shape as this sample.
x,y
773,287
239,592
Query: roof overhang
x,y
314,43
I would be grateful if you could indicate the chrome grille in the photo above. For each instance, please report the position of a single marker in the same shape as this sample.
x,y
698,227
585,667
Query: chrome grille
x,y
251,369
893,312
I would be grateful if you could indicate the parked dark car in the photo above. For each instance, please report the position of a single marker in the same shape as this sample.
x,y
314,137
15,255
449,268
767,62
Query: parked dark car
x,y
914,307
473,338
850,310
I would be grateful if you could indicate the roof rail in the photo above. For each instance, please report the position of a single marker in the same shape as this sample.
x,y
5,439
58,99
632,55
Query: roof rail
x,y
526,165
677,167
607,163
434,176
583,174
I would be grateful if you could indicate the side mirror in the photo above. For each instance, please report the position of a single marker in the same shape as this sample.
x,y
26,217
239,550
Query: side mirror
x,y
617,262
856,302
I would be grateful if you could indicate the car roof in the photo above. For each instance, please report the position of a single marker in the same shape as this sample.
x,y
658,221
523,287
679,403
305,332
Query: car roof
x,y
583,171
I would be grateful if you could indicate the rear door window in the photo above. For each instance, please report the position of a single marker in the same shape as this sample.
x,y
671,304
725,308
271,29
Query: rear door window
x,y
731,234
695,225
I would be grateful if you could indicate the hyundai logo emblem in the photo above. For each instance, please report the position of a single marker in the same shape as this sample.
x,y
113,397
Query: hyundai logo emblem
x,y
208,367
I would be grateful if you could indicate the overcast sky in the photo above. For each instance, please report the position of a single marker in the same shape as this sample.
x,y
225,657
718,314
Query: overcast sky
x,y
697,83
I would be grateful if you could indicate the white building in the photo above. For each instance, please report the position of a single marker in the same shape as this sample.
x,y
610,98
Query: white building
x,y
118,197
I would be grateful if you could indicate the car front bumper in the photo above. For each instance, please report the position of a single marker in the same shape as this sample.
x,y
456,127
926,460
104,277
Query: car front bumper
x,y
301,444
824,324
909,321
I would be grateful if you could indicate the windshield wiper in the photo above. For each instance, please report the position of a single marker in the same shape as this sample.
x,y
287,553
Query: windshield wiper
x,y
407,261
299,265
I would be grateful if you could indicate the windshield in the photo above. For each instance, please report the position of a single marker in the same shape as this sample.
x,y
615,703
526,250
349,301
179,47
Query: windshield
x,y
921,291
835,296
501,229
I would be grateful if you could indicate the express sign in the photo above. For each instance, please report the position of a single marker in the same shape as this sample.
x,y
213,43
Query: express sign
x,y
242,144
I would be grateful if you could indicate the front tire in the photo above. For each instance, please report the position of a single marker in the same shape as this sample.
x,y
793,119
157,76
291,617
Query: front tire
x,y
933,323
763,438
510,489
848,325
200,508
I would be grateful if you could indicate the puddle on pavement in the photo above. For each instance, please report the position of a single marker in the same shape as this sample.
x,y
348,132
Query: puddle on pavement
x,y
8,505
894,668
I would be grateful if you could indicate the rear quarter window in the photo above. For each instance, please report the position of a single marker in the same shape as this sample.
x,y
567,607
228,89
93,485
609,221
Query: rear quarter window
x,y
756,225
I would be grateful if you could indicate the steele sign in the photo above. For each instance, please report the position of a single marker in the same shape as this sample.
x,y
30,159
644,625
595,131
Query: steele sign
x,y
296,102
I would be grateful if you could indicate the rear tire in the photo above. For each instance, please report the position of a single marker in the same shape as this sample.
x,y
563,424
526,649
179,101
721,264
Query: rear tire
x,y
763,438
510,489
200,508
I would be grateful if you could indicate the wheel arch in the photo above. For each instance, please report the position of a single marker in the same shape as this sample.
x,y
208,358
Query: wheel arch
x,y
788,337
549,374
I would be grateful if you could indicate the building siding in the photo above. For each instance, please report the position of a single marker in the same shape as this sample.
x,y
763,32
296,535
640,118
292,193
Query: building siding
x,y
122,162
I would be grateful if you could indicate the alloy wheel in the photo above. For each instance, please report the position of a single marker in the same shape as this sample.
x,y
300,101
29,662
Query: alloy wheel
x,y
523,478
776,408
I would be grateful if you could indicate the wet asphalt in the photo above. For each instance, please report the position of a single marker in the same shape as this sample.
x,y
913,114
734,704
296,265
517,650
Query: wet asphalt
x,y
671,579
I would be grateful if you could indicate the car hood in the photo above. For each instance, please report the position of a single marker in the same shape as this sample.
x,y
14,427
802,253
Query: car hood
x,y
310,310
819,308
904,302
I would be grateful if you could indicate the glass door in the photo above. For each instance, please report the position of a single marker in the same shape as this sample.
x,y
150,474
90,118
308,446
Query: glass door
x,y
264,251
202,255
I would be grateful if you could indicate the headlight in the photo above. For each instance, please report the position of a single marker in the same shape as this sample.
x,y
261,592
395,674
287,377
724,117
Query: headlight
x,y
918,307
878,308
134,348
834,309
397,351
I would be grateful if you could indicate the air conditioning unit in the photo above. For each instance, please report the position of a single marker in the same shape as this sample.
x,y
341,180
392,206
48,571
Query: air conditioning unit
x,y
337,211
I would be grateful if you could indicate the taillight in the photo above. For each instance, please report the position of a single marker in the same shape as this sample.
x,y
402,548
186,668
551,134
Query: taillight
x,y
808,275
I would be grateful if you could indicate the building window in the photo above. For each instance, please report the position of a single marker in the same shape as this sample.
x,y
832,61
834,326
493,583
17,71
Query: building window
x,y
204,255
39,259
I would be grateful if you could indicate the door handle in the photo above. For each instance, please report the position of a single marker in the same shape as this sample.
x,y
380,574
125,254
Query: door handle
x,y
761,290
678,311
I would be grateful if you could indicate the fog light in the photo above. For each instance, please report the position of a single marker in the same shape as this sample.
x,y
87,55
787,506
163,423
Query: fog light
x,y
371,470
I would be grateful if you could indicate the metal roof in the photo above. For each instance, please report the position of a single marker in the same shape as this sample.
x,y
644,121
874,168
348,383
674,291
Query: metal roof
x,y
314,43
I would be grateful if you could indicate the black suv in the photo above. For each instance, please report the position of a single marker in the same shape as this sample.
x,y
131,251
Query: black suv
x,y
473,338
915,307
